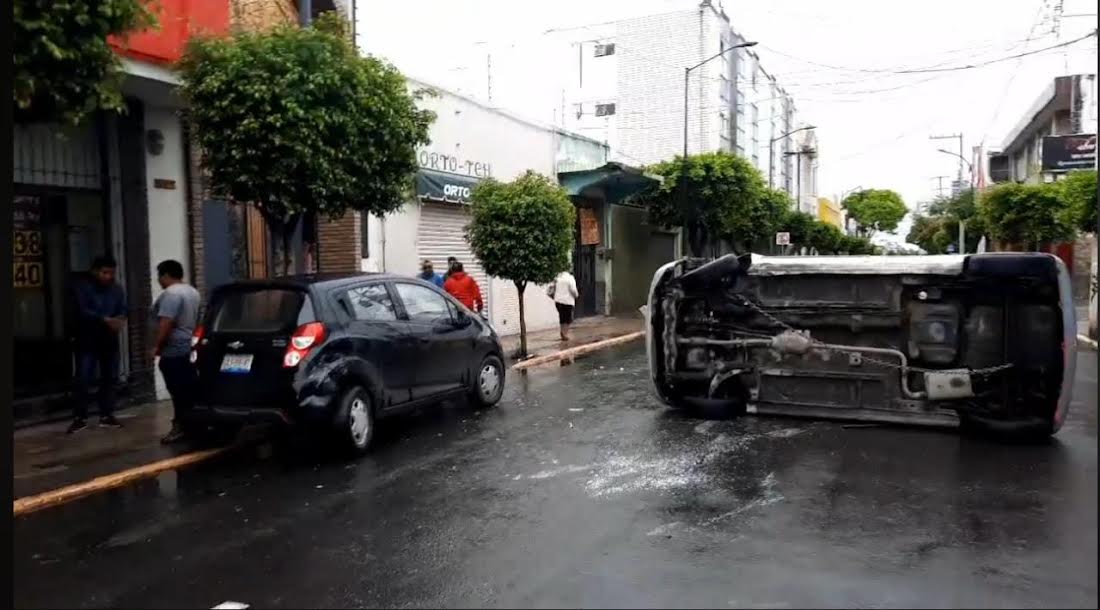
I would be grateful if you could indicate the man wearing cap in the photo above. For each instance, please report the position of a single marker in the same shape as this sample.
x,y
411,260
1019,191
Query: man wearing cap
x,y
428,274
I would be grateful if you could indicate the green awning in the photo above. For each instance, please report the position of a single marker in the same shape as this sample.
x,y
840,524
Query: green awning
x,y
614,182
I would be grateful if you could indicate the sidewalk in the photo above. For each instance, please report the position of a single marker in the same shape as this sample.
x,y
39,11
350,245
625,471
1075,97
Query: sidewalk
x,y
45,458
584,330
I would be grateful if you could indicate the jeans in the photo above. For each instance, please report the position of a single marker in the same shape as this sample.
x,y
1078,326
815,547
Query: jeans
x,y
181,380
87,361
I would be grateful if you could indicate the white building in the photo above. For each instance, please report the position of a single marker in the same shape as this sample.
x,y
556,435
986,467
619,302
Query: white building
x,y
469,142
624,85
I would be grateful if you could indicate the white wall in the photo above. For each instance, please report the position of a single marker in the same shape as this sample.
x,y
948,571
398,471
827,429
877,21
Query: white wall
x,y
471,132
168,233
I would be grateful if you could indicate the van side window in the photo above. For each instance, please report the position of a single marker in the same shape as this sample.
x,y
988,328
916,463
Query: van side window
x,y
372,303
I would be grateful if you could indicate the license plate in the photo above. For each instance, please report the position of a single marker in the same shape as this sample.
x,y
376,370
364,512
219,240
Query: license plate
x,y
237,363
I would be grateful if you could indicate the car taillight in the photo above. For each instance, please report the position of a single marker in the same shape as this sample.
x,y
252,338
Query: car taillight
x,y
196,339
304,339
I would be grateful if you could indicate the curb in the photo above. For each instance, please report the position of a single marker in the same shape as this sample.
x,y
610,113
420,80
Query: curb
x,y
570,354
1084,341
57,497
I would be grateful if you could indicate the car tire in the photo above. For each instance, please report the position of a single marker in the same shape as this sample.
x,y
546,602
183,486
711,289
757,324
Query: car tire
x,y
354,421
488,383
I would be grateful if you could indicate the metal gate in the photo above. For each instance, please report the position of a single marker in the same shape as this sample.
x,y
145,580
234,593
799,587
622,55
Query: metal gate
x,y
442,233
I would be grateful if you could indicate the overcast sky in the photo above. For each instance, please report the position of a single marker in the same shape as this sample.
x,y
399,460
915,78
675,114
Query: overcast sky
x,y
873,126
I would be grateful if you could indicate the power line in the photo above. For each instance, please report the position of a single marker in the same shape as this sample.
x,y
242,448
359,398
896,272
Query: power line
x,y
939,69
1012,76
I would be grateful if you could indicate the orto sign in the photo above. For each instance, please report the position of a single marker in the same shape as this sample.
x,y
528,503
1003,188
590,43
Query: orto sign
x,y
455,191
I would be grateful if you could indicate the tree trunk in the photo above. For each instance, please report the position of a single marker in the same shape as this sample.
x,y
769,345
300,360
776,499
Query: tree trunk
x,y
697,238
520,287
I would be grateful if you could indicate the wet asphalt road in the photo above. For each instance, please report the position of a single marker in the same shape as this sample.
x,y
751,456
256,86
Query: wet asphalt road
x,y
580,490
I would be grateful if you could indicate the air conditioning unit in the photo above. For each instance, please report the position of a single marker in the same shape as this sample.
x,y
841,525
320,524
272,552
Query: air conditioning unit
x,y
605,109
603,50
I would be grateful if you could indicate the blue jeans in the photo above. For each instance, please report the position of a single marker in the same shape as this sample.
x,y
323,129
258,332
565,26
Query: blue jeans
x,y
87,361
180,379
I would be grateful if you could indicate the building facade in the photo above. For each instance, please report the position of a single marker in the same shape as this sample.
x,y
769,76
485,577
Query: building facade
x,y
626,88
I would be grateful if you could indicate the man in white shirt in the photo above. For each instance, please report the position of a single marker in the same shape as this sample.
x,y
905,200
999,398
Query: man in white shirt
x,y
564,292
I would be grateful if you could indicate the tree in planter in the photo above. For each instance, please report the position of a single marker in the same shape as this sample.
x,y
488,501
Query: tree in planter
x,y
875,210
63,68
522,231
711,195
1078,191
1027,215
294,120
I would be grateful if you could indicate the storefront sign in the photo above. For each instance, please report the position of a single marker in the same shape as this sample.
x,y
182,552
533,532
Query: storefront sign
x,y
27,259
443,187
1063,153
450,163
590,227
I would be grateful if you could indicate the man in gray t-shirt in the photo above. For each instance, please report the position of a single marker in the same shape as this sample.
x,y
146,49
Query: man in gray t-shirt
x,y
176,312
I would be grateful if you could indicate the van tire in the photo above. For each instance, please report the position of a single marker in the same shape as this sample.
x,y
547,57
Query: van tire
x,y
353,426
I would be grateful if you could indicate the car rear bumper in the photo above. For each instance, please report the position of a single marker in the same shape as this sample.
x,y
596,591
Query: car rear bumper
x,y
211,414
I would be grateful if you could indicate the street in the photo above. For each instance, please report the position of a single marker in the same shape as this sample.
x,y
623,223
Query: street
x,y
580,490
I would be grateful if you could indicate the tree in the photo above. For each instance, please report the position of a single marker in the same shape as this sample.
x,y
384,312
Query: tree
x,y
824,237
1078,191
522,231
63,68
875,209
295,121
1029,215
798,224
926,232
711,195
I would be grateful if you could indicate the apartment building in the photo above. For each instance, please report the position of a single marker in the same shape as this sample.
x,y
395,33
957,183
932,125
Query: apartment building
x,y
625,86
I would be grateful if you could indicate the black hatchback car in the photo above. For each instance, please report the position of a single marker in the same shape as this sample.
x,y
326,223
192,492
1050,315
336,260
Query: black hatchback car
x,y
334,353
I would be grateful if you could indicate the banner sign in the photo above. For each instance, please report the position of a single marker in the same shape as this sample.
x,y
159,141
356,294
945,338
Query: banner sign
x,y
27,254
444,187
1064,153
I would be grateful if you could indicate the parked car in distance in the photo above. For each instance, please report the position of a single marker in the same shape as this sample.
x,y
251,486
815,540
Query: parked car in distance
x,y
336,353
983,341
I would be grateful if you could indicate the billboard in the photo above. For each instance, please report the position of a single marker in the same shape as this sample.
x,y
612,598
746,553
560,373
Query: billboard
x,y
1064,153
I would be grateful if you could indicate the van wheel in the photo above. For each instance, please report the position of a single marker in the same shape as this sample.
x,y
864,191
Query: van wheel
x,y
488,384
354,423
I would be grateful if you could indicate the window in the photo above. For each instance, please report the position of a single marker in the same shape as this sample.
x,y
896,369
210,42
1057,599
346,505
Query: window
x,y
371,303
261,311
603,50
605,109
423,304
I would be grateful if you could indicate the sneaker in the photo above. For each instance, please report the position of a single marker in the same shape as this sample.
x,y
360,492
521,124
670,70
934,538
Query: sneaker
x,y
174,436
109,421
77,425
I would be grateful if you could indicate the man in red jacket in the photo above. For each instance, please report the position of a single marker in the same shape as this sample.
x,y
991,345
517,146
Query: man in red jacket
x,y
464,288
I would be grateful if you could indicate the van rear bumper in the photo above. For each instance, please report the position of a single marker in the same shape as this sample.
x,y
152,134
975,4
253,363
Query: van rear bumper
x,y
213,414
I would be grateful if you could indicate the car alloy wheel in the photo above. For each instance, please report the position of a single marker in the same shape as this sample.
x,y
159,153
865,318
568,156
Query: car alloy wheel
x,y
489,381
359,422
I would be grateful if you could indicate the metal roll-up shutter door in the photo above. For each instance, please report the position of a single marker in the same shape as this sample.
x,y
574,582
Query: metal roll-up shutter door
x,y
442,233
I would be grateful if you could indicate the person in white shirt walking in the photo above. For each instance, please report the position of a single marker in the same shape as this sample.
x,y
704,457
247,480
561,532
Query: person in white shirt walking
x,y
564,292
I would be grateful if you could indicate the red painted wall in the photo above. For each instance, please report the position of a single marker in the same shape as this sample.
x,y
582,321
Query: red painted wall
x,y
178,21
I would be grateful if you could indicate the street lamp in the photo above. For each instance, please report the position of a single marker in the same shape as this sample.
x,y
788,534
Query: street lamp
x,y
771,152
962,223
687,74
692,235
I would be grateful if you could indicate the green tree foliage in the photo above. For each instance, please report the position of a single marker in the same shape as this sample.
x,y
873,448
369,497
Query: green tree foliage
x,y
295,121
929,233
825,238
63,68
1028,215
856,245
875,209
800,225
711,195
1078,191
522,231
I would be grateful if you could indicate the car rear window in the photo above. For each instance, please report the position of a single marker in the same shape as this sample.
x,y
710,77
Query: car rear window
x,y
263,310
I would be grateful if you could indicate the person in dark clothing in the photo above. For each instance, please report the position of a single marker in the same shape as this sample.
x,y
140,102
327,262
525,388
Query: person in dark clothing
x,y
428,274
100,316
176,313
451,262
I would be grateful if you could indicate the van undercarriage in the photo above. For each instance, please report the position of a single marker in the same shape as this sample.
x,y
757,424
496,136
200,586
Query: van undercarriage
x,y
987,340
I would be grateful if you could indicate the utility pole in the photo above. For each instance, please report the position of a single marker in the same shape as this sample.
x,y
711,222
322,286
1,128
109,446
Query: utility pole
x,y
962,157
939,187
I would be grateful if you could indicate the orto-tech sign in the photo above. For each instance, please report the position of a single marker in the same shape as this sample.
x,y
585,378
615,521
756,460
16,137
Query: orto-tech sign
x,y
452,164
444,187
